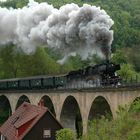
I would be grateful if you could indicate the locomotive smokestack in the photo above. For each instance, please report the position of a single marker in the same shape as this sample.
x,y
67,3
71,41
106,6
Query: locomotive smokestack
x,y
106,50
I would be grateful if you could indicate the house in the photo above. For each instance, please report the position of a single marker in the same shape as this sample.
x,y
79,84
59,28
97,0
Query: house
x,y
30,122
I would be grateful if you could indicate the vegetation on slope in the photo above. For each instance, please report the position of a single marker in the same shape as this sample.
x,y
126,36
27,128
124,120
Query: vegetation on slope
x,y
126,16
125,127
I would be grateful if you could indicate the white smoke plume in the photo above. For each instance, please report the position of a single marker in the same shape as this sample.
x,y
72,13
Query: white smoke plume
x,y
70,29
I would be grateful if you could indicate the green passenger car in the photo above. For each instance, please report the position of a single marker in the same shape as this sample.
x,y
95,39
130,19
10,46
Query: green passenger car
x,y
36,82
60,81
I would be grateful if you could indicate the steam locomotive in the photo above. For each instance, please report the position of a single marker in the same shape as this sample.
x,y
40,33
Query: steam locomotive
x,y
95,76
91,76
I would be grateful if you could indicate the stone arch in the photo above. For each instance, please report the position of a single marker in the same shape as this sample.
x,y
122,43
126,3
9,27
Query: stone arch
x,y
99,107
70,116
47,102
5,109
22,99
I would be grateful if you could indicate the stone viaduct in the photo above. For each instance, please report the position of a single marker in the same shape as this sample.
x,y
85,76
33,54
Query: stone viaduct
x,y
67,102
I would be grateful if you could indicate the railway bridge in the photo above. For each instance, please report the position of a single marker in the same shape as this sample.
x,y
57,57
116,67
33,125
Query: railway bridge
x,y
71,106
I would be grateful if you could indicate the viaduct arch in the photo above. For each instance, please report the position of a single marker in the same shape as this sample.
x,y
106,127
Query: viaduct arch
x,y
63,101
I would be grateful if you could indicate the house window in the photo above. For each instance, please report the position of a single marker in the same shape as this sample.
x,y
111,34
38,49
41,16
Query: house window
x,y
47,133
2,137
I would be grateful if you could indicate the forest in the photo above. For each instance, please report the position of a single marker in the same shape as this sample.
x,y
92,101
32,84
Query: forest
x,y
125,47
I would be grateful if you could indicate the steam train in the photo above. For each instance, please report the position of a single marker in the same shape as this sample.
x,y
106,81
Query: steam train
x,y
91,76
95,76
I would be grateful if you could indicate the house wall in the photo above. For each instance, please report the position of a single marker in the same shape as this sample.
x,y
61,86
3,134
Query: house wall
x,y
47,122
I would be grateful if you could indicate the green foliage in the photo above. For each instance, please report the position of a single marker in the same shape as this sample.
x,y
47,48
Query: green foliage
x,y
125,127
65,134
9,62
127,72
135,107
5,110
4,114
39,63
14,63
129,58
17,64
76,62
135,133
133,56
119,57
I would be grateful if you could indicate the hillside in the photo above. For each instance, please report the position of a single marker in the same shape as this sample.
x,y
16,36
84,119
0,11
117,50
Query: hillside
x,y
126,16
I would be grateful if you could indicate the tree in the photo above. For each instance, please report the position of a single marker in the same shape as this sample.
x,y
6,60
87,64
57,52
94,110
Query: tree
x,y
119,57
134,57
127,72
39,63
9,62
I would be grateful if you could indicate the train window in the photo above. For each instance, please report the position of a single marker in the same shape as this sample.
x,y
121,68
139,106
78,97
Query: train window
x,y
13,84
36,82
24,83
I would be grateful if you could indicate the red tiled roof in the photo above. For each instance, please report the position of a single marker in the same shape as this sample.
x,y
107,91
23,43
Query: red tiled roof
x,y
26,115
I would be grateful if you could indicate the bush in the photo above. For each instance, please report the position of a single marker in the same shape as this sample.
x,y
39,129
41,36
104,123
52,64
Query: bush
x,y
65,134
